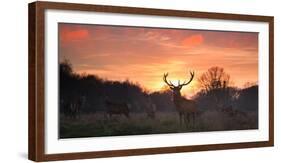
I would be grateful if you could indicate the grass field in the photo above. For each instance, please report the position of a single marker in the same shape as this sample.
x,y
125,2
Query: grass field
x,y
96,125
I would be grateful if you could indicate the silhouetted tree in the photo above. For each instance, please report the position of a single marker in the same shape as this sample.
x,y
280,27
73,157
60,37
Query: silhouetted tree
x,y
248,99
216,91
97,90
214,78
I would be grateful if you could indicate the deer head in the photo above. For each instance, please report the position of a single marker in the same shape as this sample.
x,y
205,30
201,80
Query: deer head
x,y
176,89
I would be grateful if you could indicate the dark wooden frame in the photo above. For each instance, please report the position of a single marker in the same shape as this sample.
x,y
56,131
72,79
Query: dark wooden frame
x,y
36,130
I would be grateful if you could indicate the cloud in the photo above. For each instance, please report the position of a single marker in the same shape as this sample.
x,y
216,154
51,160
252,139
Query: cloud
x,y
68,34
246,41
193,40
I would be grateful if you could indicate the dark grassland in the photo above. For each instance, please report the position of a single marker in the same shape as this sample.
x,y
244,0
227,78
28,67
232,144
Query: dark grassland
x,y
95,125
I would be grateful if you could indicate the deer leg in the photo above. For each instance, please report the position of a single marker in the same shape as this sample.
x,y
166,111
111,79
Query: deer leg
x,y
74,113
180,116
193,119
105,115
69,114
187,119
127,115
77,111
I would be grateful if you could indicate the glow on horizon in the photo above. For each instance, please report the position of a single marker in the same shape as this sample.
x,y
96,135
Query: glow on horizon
x,y
143,55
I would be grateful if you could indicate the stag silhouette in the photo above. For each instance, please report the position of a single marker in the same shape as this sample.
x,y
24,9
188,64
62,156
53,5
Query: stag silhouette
x,y
186,108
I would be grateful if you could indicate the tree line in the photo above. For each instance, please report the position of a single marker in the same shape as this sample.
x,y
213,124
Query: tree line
x,y
215,84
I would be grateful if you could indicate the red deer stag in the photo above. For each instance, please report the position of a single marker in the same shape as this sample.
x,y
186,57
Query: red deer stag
x,y
186,108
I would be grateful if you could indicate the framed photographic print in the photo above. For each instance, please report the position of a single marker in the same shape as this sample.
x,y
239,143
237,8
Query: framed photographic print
x,y
109,81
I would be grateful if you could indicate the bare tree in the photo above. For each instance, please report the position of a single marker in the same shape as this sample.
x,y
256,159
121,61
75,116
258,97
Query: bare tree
x,y
214,78
216,83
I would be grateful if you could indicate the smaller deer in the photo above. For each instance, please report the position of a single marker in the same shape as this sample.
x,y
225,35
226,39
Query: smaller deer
x,y
76,106
117,108
186,108
150,108
73,106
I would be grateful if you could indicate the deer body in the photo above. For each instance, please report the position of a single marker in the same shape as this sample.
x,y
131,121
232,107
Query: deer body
x,y
184,105
117,108
186,108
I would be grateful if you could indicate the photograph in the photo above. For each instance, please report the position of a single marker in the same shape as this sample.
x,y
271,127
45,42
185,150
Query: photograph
x,y
116,81
132,80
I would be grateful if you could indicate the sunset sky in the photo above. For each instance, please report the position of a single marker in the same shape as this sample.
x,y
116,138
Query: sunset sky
x,y
142,55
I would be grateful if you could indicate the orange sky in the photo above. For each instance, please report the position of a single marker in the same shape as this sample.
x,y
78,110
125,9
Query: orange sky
x,y
142,55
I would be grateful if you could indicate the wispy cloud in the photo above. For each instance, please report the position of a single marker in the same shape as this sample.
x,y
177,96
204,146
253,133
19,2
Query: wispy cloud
x,y
193,40
67,35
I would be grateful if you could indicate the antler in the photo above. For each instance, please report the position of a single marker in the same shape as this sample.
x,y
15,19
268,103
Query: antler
x,y
170,84
186,83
